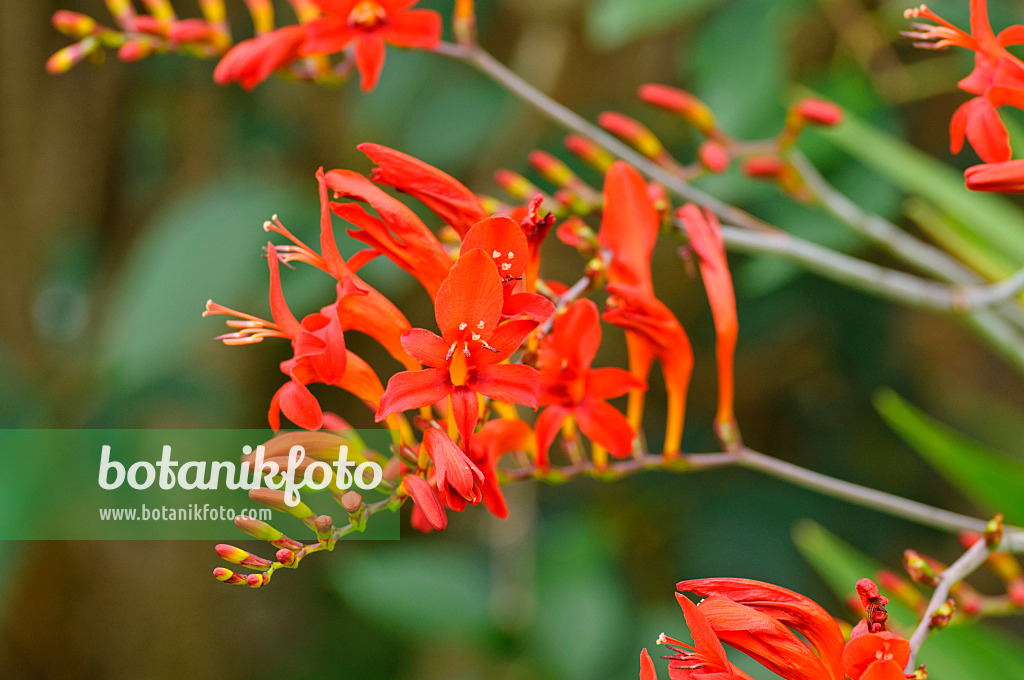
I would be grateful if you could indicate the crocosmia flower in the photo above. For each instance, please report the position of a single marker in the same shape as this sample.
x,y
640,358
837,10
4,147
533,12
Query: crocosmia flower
x,y
365,25
876,656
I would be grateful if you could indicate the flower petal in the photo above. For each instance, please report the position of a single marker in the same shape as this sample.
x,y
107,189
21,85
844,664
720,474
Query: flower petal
x,y
299,405
425,498
532,305
412,389
514,383
470,298
425,347
603,423
502,238
466,411
415,28
546,429
608,383
629,227
369,59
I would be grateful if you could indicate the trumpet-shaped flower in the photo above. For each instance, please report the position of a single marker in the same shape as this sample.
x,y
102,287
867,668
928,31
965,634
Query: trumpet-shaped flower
x,y
571,388
365,25
629,228
466,358
458,479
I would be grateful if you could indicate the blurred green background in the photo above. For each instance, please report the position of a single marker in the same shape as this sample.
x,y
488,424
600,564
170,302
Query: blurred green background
x,y
135,192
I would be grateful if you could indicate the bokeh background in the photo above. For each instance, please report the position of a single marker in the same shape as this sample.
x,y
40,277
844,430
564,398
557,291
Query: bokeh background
x,y
132,193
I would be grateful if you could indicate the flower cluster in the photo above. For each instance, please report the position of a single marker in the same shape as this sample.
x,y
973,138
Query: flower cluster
x,y
997,80
787,633
359,28
506,337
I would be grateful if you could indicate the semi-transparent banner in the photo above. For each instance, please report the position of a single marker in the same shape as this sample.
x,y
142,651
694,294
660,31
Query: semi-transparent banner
x,y
184,484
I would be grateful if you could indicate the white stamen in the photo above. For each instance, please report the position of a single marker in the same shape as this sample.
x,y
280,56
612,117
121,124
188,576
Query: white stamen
x,y
475,336
511,254
505,266
496,254
462,326
480,324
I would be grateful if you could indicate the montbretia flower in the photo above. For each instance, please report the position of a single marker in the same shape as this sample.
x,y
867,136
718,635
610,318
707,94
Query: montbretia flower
x,y
705,658
1003,178
629,228
466,359
571,388
997,78
365,25
705,235
457,478
876,656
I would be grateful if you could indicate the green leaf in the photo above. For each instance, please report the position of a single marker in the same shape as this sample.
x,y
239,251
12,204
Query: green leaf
x,y
613,23
419,590
984,218
990,479
958,652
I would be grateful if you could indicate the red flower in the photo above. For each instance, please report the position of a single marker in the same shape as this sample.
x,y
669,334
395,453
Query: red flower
x,y
629,228
705,659
742,612
458,479
876,656
365,24
428,506
465,360
706,238
1004,178
998,77
446,197
571,388
496,438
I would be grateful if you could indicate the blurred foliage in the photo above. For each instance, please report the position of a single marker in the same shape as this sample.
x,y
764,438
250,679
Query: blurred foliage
x,y
137,191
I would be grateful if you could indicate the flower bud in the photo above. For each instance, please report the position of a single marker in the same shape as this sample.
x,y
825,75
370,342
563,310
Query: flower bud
x,y
190,30
135,50
919,569
942,615
227,576
552,169
515,184
817,112
351,501
62,60
274,499
1003,178
230,553
763,167
287,558
257,580
634,133
713,156
74,24
426,500
683,104
994,532
589,152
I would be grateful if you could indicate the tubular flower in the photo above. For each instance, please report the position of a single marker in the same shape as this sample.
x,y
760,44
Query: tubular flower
x,y
364,24
997,78
876,656
1004,178
458,479
446,197
706,658
629,228
426,502
571,388
466,358
505,241
494,440
397,233
742,611
706,238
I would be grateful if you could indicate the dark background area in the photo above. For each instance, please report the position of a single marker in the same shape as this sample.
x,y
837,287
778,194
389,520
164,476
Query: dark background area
x,y
134,192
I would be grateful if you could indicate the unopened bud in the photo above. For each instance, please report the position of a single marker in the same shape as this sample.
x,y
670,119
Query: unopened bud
x,y
919,674
227,576
763,167
74,24
230,553
918,569
135,50
994,532
515,184
552,169
901,588
275,500
324,526
683,104
257,580
942,615
713,156
351,501
190,30
62,60
595,271
1015,592
287,558
634,133
589,152
817,112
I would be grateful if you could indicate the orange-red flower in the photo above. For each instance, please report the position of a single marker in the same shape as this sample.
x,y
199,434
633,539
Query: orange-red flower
x,y
705,659
571,388
457,478
706,238
466,358
428,507
366,25
876,656
1004,178
629,228
997,78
